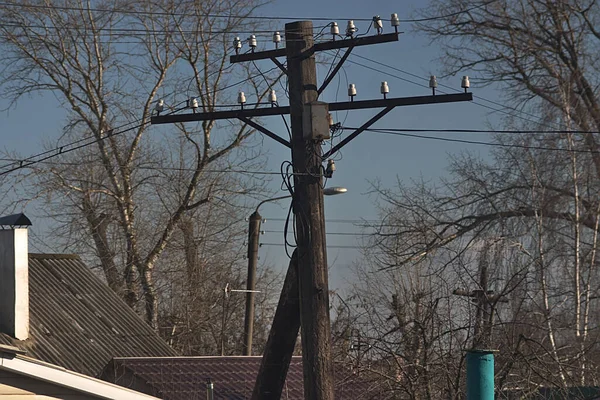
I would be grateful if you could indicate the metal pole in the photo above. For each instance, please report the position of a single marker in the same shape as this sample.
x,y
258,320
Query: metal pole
x,y
253,239
210,390
480,375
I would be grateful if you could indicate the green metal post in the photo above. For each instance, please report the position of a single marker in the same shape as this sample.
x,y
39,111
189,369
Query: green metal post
x,y
480,375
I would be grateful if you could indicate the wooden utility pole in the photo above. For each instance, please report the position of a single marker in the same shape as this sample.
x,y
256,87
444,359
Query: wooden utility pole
x,y
310,217
485,302
253,236
282,339
480,358
309,120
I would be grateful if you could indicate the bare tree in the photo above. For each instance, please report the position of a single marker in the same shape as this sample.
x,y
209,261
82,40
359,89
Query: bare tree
x,y
529,213
135,188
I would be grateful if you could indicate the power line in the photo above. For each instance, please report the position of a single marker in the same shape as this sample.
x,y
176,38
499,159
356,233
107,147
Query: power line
x,y
113,31
62,150
476,142
441,84
328,246
498,131
180,169
328,233
66,148
226,16
454,14
338,221
446,86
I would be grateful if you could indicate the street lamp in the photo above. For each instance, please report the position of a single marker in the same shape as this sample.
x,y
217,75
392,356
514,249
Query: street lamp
x,y
253,235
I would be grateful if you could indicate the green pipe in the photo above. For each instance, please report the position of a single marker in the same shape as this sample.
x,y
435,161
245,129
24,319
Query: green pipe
x,y
480,375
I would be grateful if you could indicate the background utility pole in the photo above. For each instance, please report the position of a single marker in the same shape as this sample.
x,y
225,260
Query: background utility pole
x,y
480,358
310,217
307,136
253,239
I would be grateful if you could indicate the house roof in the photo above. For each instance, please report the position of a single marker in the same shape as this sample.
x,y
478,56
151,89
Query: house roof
x,y
47,377
179,378
546,393
79,323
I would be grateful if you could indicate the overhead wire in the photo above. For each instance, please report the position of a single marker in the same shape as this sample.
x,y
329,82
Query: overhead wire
x,y
503,111
498,131
476,142
328,246
227,16
328,233
452,14
340,221
288,184
464,141
179,169
75,145
440,84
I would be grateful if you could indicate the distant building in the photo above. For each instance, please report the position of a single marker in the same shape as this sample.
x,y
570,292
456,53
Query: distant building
x,y
545,393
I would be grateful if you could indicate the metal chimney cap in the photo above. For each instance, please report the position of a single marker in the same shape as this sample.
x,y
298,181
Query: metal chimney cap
x,y
15,220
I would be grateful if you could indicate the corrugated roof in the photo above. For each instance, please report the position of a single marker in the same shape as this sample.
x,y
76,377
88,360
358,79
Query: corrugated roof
x,y
184,378
78,322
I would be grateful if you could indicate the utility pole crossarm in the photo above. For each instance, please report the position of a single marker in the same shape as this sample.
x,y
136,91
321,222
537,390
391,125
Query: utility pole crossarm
x,y
400,101
217,115
339,106
258,55
323,46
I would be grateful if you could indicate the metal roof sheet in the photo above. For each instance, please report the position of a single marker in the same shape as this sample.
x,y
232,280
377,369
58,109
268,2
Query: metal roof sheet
x,y
78,322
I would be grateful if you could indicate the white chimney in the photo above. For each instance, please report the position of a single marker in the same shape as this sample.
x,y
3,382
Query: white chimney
x,y
14,276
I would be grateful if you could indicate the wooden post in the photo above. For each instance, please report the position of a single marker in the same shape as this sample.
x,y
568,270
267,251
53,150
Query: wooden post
x,y
310,219
253,239
282,339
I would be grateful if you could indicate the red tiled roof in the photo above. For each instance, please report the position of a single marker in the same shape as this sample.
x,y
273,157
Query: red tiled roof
x,y
184,378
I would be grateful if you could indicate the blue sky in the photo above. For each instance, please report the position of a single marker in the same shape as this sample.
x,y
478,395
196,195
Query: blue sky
x,y
371,156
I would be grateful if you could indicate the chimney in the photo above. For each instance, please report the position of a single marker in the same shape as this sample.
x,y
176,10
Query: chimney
x,y
14,276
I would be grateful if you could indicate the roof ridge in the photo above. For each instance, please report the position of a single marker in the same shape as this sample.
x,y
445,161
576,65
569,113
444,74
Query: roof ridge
x,y
54,256
193,357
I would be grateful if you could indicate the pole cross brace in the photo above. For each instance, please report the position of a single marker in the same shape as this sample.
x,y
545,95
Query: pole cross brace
x,y
280,65
357,132
264,130
335,70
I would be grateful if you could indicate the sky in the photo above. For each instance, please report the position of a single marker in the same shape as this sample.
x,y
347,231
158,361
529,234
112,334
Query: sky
x,y
370,157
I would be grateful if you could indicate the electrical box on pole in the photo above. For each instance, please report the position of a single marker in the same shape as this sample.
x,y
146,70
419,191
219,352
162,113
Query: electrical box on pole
x,y
316,121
